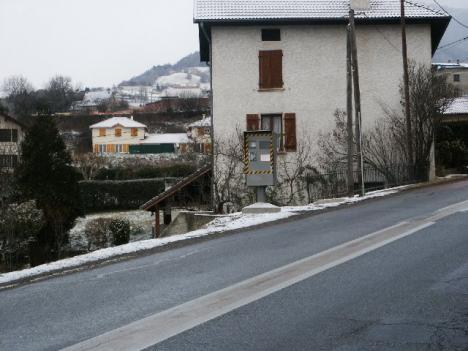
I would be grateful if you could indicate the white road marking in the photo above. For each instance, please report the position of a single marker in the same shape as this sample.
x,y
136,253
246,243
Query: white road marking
x,y
163,325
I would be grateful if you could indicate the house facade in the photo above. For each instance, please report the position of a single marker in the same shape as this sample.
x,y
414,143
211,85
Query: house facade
x,y
116,135
122,135
200,134
11,135
457,74
282,67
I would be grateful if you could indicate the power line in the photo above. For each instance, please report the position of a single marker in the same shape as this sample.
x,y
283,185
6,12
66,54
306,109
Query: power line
x,y
453,17
445,46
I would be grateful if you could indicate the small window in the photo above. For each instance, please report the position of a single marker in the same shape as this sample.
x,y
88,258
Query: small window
x,y
119,148
118,132
456,77
134,132
271,35
102,132
9,135
102,148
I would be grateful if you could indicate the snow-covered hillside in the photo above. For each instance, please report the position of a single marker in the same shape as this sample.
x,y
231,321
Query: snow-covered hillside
x,y
178,80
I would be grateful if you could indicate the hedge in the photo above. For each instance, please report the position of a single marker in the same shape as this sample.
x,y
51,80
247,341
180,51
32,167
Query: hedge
x,y
98,196
146,172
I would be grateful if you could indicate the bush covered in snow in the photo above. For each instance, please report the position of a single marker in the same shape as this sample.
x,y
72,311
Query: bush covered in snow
x,y
105,232
120,231
97,233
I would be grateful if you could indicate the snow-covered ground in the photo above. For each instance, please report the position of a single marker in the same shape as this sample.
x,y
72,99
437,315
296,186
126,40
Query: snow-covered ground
x,y
219,225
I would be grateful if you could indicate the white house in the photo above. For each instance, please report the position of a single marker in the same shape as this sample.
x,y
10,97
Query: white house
x,y
281,64
116,134
122,135
200,133
11,135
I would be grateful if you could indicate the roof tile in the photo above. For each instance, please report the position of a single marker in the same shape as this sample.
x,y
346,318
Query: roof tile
x,y
244,10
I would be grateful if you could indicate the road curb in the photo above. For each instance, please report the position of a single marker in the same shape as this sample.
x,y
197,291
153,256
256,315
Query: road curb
x,y
211,236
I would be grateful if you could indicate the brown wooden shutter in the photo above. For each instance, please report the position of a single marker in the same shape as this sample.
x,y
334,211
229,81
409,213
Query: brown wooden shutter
x,y
290,143
253,122
271,69
265,80
276,67
96,148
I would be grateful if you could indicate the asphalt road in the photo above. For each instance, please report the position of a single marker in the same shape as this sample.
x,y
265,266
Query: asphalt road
x,y
411,294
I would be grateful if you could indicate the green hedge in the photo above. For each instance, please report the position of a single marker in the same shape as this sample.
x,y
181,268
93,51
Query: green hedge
x,y
146,172
107,195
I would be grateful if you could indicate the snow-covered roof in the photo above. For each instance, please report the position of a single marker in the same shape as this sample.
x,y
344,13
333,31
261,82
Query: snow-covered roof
x,y
450,65
169,138
232,10
458,107
122,121
205,122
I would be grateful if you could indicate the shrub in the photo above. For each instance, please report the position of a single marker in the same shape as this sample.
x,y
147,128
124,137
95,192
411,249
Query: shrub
x,y
19,226
97,233
120,231
102,232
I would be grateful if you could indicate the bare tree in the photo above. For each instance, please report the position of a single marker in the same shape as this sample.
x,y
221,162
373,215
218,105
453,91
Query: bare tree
x,y
230,189
292,170
89,164
384,143
20,96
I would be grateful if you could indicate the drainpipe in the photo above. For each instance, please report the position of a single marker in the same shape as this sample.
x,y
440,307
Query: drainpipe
x,y
210,64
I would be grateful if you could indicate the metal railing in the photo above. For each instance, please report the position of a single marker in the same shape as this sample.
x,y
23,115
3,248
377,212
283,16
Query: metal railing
x,y
331,184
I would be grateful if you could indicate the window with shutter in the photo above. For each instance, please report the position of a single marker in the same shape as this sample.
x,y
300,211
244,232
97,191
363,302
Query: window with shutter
x,y
290,143
134,132
275,124
102,132
271,69
253,122
118,132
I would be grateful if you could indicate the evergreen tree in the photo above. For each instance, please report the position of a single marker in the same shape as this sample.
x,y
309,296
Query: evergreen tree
x,y
46,175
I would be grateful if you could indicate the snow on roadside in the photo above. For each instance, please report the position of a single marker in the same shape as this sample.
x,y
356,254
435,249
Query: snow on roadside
x,y
218,225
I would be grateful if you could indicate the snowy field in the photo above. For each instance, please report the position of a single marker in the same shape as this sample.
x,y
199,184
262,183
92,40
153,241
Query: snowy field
x,y
219,225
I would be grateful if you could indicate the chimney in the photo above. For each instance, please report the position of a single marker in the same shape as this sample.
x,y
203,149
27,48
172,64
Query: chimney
x,y
360,5
131,117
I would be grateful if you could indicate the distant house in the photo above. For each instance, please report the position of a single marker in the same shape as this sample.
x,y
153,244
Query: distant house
x,y
11,135
116,134
200,133
122,135
457,74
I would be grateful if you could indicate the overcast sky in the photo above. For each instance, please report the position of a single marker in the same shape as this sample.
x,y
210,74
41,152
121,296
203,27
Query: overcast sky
x,y
97,42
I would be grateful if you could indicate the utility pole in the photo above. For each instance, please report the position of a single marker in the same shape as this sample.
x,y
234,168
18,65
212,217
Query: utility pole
x,y
409,143
349,111
357,101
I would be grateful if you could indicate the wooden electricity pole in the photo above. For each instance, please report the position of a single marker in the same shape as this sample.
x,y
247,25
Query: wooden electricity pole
x,y
349,111
409,143
357,101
